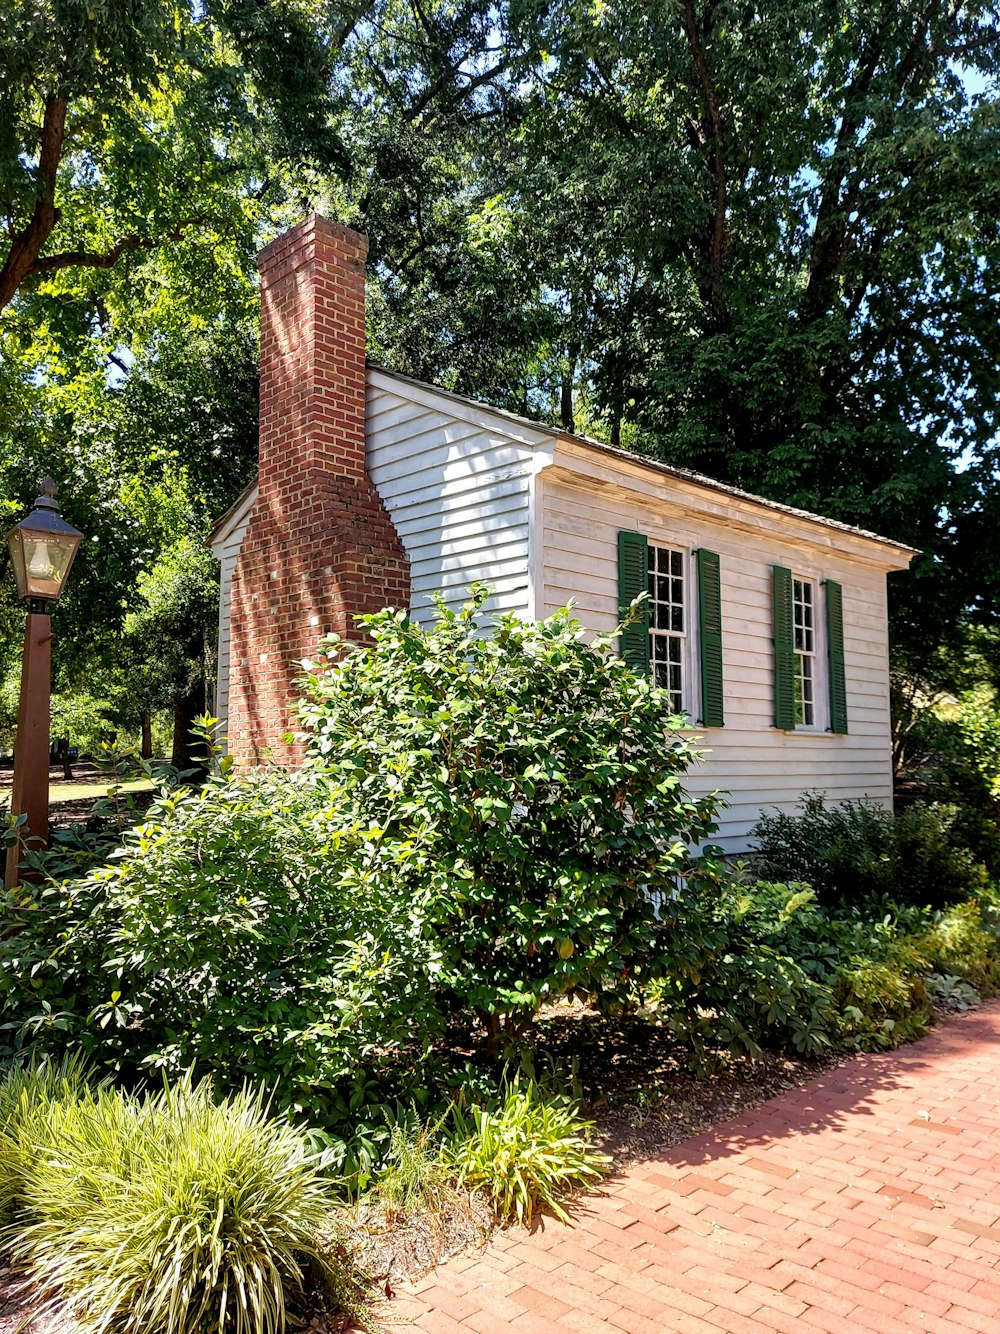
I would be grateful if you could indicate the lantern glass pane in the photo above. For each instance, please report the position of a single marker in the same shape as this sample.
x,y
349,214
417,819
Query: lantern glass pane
x,y
46,560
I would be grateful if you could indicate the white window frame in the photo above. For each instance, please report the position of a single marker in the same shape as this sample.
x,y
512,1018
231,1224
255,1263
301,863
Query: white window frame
x,y
686,636
817,654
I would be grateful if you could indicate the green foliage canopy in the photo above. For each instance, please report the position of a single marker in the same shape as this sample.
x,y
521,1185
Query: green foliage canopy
x,y
528,789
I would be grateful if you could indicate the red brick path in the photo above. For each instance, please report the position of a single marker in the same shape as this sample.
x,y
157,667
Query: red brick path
x,y
867,1200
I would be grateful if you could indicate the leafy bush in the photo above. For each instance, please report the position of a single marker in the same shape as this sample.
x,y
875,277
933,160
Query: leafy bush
x,y
857,852
963,942
527,789
525,1155
166,1215
953,760
763,965
237,931
950,991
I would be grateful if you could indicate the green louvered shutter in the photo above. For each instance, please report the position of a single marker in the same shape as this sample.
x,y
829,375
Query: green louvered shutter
x,y
633,579
835,649
710,614
784,651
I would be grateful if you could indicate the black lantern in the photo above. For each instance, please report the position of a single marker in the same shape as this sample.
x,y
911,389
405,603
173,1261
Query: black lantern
x,y
42,548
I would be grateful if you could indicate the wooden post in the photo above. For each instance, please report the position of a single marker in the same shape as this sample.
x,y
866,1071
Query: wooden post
x,y
30,793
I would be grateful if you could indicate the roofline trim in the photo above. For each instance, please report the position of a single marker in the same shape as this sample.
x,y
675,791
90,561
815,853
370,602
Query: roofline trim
x,y
666,469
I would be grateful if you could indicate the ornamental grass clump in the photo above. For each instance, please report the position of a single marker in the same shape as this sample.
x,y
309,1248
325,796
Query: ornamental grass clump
x,y
174,1214
526,1155
27,1095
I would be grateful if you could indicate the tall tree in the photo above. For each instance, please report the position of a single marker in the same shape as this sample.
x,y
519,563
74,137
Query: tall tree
x,y
123,126
761,241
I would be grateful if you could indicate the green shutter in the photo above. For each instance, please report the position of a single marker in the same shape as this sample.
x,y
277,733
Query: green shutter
x,y
710,614
784,651
633,579
835,649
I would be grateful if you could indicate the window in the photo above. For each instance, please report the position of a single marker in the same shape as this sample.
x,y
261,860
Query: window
x,y
810,677
668,622
804,642
659,638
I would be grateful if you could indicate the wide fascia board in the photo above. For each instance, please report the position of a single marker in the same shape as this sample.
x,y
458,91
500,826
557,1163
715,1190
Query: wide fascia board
x,y
236,515
591,470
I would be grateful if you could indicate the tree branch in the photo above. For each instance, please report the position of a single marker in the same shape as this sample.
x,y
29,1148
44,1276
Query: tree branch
x,y
717,230
27,245
435,89
87,259
831,241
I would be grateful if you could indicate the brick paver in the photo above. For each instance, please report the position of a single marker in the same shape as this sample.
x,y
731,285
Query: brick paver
x,y
869,1199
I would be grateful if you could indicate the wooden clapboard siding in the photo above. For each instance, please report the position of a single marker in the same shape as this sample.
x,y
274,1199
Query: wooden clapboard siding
x,y
478,495
758,766
226,543
459,493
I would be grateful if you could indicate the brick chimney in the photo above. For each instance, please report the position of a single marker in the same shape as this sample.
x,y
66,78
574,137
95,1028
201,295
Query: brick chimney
x,y
320,547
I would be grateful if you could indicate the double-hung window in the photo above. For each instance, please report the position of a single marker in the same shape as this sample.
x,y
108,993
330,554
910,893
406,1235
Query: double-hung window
x,y
804,640
810,679
674,634
667,587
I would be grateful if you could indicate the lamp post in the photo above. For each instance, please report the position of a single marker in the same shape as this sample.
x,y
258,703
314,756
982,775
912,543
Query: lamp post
x,y
42,548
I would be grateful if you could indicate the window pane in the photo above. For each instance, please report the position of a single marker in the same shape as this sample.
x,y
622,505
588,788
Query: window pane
x,y
667,622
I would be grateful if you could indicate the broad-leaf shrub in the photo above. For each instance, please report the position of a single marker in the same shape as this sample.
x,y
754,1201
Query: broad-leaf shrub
x,y
764,966
963,942
953,760
857,851
528,786
237,931
173,1214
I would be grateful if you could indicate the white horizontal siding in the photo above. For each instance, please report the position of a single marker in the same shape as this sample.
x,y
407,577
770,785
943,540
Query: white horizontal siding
x,y
458,493
757,766
227,550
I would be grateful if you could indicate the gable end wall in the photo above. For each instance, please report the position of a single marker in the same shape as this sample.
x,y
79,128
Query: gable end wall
x,y
458,494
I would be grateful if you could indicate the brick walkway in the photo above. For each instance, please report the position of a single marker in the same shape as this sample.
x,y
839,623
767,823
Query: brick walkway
x,y
867,1200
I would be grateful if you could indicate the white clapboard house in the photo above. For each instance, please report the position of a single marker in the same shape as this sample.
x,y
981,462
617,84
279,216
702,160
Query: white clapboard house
x,y
766,624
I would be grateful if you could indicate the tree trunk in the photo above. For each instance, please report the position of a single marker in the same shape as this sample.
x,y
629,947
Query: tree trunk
x,y
62,757
492,1022
146,745
187,707
27,245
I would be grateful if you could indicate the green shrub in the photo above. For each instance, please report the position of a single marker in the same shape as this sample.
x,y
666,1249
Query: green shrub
x,y
171,1215
526,1155
953,761
857,852
964,942
527,789
240,932
764,966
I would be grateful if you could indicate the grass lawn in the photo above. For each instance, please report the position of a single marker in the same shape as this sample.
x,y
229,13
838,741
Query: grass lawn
x,y
76,791
73,800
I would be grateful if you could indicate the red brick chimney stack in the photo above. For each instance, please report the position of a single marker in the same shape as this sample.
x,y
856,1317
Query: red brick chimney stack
x,y
319,547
